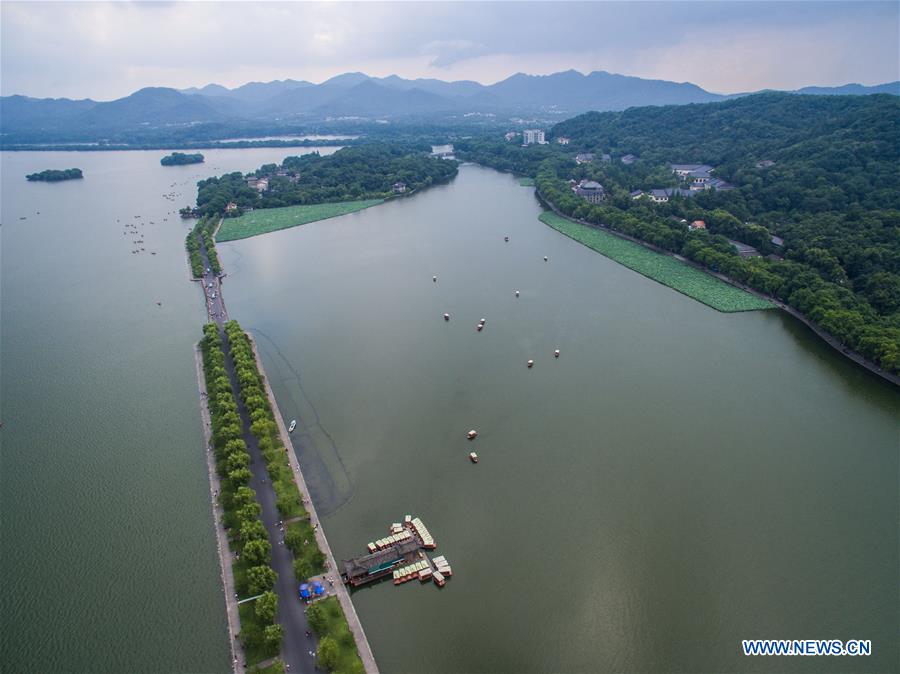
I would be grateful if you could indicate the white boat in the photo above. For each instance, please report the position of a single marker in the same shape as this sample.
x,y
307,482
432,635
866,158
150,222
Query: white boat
x,y
292,426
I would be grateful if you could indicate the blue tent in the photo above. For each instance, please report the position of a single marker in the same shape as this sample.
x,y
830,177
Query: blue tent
x,y
305,592
318,588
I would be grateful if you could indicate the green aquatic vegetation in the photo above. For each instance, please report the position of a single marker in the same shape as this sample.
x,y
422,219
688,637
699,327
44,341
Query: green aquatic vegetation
x,y
661,268
262,221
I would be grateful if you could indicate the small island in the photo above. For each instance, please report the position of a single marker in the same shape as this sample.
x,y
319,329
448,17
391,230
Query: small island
x,y
179,158
55,175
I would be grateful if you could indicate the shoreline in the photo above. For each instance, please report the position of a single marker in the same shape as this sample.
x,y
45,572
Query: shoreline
x,y
359,636
829,339
697,297
379,201
238,657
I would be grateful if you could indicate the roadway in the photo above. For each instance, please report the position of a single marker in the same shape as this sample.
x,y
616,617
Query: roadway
x,y
296,646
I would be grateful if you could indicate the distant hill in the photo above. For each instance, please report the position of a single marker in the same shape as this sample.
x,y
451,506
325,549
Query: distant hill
x,y
150,106
214,109
852,90
21,113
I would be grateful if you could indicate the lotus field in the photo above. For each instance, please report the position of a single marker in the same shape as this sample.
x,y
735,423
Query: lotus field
x,y
266,220
662,268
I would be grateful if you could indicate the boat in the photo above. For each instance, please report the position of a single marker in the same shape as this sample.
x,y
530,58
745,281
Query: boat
x,y
474,457
292,426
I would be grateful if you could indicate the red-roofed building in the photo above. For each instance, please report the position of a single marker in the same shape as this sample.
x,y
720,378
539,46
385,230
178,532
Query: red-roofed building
x,y
697,224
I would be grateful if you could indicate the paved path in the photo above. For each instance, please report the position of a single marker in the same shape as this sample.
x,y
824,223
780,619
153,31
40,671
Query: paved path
x,y
234,622
296,647
331,567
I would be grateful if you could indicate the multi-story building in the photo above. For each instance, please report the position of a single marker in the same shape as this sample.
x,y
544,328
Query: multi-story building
x,y
533,136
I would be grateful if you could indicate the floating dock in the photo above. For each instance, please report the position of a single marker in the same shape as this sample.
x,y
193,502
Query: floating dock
x,y
399,555
380,564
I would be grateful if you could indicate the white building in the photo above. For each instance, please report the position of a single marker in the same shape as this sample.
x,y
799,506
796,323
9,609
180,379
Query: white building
x,y
530,136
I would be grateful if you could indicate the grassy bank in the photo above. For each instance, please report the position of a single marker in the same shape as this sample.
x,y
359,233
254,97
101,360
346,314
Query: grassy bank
x,y
526,182
266,220
662,268
337,649
260,635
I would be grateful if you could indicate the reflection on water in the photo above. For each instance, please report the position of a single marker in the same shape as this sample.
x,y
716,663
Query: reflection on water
x,y
678,480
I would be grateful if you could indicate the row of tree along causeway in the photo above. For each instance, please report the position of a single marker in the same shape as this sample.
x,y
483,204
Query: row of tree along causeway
x,y
180,159
796,197
55,175
659,267
205,230
260,635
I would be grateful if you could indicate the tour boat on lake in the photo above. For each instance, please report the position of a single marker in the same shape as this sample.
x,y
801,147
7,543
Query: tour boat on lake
x,y
292,426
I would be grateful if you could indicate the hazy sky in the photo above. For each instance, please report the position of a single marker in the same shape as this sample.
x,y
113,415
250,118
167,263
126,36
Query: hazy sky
x,y
107,50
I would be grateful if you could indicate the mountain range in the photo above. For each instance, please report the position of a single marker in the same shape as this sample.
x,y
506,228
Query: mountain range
x,y
357,96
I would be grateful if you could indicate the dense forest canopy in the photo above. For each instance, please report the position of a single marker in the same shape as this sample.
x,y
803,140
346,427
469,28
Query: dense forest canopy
x,y
55,175
180,158
360,172
821,173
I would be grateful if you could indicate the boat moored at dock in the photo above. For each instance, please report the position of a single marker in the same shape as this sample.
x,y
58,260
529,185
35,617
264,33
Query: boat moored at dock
x,y
399,555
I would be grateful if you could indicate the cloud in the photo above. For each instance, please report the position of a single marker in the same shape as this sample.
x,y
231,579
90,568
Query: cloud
x,y
447,52
108,49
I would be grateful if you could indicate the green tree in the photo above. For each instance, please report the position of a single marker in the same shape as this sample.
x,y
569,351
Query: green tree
x,y
273,635
240,477
260,579
267,607
243,496
249,511
328,653
252,530
257,551
237,461
316,617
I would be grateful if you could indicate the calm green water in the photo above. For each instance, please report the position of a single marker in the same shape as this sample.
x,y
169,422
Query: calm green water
x,y
108,551
679,480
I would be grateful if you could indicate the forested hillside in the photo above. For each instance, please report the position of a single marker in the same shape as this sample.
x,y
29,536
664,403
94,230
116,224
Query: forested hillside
x,y
819,172
352,173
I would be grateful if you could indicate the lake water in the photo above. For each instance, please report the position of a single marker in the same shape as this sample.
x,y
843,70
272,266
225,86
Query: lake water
x,y
108,551
677,481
